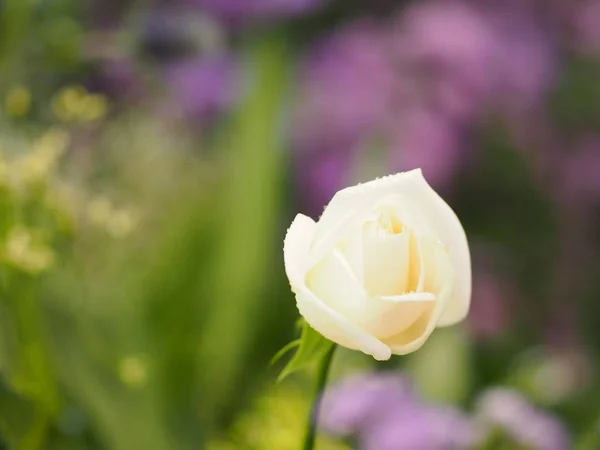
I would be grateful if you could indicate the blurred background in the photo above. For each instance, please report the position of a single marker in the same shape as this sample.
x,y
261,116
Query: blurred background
x,y
153,154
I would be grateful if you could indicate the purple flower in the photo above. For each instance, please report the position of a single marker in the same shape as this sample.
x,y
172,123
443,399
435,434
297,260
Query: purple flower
x,y
524,59
384,413
473,55
429,141
585,24
420,85
357,402
202,87
345,89
448,48
526,424
236,11
321,177
425,427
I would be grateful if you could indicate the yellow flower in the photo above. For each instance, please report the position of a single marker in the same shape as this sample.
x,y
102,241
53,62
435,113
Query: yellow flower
x,y
75,104
23,252
41,161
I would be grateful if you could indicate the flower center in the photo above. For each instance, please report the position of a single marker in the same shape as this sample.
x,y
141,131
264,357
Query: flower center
x,y
389,222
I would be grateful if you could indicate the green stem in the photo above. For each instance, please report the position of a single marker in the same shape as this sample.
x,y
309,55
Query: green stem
x,y
322,372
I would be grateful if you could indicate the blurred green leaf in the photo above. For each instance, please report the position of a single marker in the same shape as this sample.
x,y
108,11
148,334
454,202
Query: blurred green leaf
x,y
442,368
247,261
281,353
312,348
18,418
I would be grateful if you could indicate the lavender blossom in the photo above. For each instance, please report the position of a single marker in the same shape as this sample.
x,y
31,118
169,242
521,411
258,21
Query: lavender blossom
x,y
384,413
322,176
346,86
420,85
430,141
476,56
202,87
585,25
527,425
359,401
448,49
425,427
524,59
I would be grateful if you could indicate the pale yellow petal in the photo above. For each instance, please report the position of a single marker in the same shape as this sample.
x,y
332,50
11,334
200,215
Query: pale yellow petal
x,y
386,261
325,320
438,280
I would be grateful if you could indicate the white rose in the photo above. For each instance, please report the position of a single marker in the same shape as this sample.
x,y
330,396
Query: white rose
x,y
387,263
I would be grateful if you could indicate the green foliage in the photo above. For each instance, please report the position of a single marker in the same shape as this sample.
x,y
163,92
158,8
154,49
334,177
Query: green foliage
x,y
133,306
443,370
312,348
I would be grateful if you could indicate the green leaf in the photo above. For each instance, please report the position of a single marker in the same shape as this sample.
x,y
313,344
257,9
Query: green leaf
x,y
312,347
284,350
20,421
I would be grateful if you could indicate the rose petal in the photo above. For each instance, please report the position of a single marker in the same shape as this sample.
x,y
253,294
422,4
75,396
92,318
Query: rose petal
x,y
353,251
295,249
409,298
438,279
350,204
386,261
331,324
333,281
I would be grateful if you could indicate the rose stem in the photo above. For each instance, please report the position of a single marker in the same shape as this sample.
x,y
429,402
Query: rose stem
x,y
322,372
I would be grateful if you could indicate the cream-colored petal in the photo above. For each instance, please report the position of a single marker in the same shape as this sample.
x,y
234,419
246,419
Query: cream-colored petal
x,y
333,281
451,234
386,261
385,317
325,320
351,205
352,249
424,211
337,328
296,247
405,210
408,298
438,279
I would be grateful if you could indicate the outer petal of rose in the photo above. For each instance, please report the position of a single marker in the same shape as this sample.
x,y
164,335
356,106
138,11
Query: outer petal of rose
x,y
333,282
331,324
338,328
440,280
296,246
351,204
449,231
